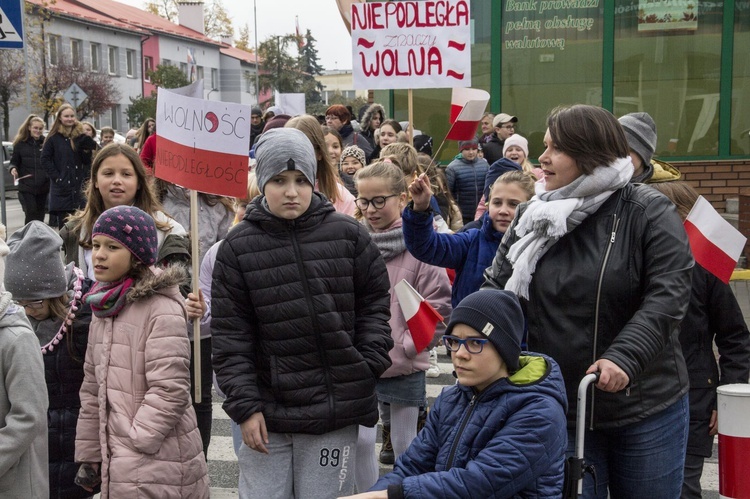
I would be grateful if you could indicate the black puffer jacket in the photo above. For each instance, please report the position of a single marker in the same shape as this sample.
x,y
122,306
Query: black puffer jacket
x,y
27,160
634,253
63,371
300,312
493,149
713,316
67,169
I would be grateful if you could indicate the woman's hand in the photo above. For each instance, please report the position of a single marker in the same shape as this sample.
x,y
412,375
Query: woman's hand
x,y
376,494
14,172
254,432
713,424
195,306
421,193
611,378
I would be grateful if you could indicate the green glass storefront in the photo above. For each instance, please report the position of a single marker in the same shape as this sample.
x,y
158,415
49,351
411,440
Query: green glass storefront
x,y
687,63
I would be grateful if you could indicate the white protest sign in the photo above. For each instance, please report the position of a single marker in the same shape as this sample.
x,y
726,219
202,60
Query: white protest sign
x,y
202,145
416,44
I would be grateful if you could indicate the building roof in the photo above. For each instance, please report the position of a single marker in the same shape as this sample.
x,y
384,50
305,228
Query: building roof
x,y
145,20
115,14
240,54
74,10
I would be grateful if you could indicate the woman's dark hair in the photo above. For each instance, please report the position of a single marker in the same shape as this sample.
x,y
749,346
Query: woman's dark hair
x,y
590,135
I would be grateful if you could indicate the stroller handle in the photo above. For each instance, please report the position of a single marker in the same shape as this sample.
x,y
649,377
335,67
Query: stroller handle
x,y
581,417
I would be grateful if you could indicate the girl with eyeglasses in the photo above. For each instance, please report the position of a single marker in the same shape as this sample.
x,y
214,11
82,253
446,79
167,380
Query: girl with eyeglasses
x,y
500,432
382,197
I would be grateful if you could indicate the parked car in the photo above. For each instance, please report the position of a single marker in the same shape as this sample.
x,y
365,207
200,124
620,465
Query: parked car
x,y
7,153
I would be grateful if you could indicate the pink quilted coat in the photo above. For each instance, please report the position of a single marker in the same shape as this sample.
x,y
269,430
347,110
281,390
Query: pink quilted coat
x,y
136,415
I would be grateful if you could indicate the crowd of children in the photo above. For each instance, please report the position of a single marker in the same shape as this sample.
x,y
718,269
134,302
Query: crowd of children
x,y
302,332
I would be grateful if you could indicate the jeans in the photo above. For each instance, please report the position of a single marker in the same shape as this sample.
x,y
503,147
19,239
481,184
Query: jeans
x,y
643,459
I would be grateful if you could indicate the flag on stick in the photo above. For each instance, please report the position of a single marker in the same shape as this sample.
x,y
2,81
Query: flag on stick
x,y
467,107
421,317
716,245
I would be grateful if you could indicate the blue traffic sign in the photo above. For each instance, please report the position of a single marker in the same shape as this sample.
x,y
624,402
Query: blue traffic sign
x,y
11,24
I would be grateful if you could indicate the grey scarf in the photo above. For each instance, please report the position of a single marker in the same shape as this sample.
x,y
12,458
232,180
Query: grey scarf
x,y
390,243
552,214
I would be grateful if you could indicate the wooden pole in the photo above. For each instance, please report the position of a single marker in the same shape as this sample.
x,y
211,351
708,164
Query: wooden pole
x,y
410,104
195,257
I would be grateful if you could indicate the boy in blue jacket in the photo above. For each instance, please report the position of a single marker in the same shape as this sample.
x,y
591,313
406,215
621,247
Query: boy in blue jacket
x,y
501,431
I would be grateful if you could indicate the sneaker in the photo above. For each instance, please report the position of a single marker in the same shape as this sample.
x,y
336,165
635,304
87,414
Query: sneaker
x,y
434,370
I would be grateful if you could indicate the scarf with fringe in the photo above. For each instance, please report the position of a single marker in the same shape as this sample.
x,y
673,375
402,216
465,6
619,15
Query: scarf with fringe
x,y
552,214
107,299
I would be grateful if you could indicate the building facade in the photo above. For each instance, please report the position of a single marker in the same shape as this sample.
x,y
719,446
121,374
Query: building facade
x,y
684,62
126,43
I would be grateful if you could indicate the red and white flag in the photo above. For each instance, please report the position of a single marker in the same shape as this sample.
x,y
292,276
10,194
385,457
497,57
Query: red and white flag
x,y
716,245
467,107
421,317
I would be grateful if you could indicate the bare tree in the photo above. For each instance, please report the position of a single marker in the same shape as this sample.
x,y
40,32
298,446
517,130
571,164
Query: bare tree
x,y
12,82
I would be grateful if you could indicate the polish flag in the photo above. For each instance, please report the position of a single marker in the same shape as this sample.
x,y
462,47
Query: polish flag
x,y
420,316
467,107
716,245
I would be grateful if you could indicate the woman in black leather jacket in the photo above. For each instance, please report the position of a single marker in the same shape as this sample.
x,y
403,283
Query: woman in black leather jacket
x,y
603,269
26,168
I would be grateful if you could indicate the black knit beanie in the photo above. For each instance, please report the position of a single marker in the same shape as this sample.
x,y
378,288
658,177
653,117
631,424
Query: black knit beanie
x,y
497,315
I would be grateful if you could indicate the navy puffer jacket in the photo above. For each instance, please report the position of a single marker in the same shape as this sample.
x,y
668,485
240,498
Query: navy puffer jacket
x,y
68,170
466,184
300,312
507,441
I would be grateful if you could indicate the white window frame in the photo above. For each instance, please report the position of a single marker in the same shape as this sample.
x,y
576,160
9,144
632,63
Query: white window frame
x,y
76,52
53,50
95,52
130,63
148,66
214,78
113,60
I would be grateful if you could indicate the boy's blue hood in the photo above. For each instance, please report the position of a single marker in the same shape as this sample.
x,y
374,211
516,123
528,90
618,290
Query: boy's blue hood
x,y
497,168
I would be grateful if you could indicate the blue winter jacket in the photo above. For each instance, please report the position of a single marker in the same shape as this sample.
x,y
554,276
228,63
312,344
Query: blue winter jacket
x,y
468,253
508,441
466,184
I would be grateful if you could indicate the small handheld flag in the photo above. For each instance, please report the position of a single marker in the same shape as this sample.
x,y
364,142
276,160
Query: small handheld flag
x,y
715,243
421,317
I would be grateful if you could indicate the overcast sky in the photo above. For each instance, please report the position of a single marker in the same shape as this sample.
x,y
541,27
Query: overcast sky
x,y
276,17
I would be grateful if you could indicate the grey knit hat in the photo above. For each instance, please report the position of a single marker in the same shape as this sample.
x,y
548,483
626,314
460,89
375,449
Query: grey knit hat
x,y
355,152
640,130
497,315
282,149
133,228
34,268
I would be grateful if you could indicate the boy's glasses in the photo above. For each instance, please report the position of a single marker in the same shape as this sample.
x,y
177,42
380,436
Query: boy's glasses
x,y
472,345
508,127
33,305
378,202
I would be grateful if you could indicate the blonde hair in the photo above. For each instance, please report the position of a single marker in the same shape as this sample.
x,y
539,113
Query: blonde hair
x,y
406,156
58,127
524,180
23,131
385,169
327,176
